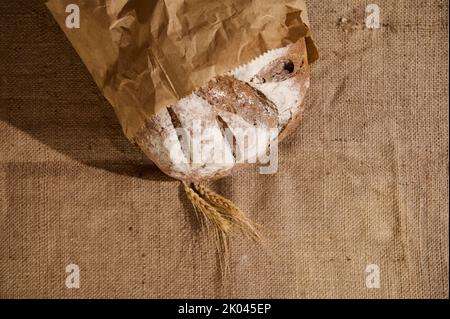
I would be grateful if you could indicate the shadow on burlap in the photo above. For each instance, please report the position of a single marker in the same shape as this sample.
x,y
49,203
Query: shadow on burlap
x,y
363,181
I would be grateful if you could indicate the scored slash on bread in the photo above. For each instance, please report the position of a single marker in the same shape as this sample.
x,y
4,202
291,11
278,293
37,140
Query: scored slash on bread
x,y
266,94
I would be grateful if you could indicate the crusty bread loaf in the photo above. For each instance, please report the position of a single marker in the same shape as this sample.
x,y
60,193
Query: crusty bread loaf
x,y
238,114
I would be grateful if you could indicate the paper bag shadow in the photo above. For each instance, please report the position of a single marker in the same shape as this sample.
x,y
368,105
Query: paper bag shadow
x,y
68,134
48,93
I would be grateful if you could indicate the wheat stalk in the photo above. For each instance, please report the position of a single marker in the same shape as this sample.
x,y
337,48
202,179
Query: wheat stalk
x,y
215,223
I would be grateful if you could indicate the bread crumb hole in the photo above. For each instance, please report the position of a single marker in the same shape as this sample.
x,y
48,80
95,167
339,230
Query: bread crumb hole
x,y
289,66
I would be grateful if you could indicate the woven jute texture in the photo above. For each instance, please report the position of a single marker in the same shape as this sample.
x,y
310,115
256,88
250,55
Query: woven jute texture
x,y
363,181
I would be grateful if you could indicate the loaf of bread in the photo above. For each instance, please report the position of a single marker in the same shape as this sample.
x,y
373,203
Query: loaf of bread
x,y
237,115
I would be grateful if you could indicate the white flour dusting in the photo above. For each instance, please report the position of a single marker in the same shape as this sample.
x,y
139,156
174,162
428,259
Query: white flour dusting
x,y
285,95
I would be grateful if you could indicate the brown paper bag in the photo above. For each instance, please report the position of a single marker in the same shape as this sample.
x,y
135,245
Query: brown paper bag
x,y
145,55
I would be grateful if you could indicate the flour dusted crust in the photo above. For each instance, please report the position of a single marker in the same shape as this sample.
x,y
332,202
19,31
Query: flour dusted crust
x,y
267,94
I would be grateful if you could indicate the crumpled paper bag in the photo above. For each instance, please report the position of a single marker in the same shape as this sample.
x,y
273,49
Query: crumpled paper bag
x,y
145,55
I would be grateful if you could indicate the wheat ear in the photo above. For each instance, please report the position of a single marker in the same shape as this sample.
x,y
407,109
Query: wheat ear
x,y
215,223
230,211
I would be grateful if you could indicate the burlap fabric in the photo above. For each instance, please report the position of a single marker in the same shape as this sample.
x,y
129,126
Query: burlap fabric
x,y
363,181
